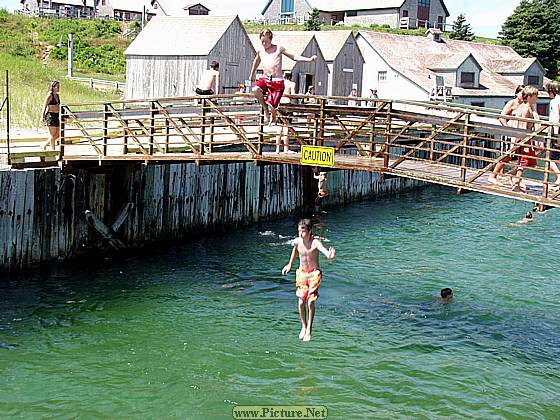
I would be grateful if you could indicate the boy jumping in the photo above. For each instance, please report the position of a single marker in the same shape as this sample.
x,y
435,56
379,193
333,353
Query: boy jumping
x,y
308,275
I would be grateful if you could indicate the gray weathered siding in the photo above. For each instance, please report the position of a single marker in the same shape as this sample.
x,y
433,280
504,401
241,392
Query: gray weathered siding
x,y
349,57
42,210
318,69
162,77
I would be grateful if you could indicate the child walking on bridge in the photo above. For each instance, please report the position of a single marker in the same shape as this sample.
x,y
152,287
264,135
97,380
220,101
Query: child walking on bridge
x,y
308,275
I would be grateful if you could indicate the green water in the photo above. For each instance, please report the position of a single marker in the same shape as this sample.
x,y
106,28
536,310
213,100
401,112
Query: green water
x,y
192,331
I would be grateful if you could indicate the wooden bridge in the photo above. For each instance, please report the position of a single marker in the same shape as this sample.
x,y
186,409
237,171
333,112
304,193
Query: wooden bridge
x,y
451,145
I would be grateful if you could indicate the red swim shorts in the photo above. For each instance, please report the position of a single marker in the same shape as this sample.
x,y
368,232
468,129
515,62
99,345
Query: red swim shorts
x,y
272,89
526,156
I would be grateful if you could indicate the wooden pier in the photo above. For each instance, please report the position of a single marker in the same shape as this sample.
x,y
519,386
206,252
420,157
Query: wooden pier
x,y
451,145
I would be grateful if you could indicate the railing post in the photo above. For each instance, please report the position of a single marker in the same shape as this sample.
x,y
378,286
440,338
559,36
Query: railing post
x,y
62,132
105,128
387,136
152,125
203,128
372,137
167,132
547,164
465,143
432,142
321,121
261,131
315,129
212,121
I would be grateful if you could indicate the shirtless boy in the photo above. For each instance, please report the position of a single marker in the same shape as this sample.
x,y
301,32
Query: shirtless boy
x,y
526,153
321,178
308,275
509,109
271,84
209,83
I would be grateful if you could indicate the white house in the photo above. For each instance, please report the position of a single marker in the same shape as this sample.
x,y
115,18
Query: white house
x,y
420,68
125,9
395,13
178,8
63,8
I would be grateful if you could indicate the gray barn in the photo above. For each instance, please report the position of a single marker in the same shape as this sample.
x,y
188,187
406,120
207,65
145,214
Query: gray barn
x,y
303,74
344,60
169,56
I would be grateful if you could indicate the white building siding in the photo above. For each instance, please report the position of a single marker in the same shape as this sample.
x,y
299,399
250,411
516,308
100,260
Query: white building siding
x,y
379,17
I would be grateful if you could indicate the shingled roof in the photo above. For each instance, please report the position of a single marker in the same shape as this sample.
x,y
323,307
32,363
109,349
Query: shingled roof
x,y
180,35
417,57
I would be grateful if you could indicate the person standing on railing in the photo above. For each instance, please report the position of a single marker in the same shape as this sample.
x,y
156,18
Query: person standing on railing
x,y
353,102
553,90
51,114
526,155
209,83
271,84
509,109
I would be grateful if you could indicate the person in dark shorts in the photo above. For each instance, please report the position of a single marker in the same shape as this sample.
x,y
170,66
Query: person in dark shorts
x,y
51,114
209,83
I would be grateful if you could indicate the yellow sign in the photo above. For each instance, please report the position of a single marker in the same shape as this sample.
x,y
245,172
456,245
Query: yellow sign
x,y
317,155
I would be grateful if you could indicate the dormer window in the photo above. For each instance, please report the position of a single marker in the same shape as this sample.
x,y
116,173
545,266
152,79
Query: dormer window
x,y
534,81
467,77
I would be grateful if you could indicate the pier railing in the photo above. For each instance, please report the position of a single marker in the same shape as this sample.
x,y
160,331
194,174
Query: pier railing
x,y
446,144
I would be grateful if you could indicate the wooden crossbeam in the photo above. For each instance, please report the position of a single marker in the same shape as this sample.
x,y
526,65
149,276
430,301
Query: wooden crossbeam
x,y
234,128
427,139
127,129
84,132
178,128
507,154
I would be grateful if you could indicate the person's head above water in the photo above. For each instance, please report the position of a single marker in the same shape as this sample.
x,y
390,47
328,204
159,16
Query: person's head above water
x,y
304,228
446,293
529,215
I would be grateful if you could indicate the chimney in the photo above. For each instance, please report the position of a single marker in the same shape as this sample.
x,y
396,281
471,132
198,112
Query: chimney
x,y
434,34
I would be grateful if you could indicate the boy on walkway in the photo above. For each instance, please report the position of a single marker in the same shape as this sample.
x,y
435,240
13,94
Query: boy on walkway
x,y
308,275
209,83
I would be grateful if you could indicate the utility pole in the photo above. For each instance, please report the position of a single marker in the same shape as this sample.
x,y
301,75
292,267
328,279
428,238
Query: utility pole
x,y
70,55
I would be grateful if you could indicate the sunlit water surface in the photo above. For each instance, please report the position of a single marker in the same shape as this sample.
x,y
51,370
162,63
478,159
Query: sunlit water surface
x,y
191,331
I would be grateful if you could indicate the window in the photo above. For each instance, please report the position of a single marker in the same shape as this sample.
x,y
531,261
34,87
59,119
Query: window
x,y
423,3
405,13
480,104
534,81
440,22
381,76
287,6
467,77
351,14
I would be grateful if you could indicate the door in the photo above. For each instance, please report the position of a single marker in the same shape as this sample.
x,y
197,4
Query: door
x,y
423,13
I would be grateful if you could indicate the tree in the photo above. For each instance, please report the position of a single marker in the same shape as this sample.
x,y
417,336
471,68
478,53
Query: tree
x,y
461,29
533,30
313,23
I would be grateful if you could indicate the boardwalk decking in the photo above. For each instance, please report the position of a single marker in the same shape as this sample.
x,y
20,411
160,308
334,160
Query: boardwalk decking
x,y
449,145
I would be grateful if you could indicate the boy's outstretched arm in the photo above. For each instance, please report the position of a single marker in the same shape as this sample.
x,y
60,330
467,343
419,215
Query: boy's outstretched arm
x,y
330,254
288,267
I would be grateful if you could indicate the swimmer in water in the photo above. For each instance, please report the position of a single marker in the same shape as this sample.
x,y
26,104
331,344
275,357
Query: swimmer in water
x,y
308,275
446,295
528,218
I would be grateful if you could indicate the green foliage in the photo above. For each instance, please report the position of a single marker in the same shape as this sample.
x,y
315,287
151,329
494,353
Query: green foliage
x,y
461,29
533,30
313,23
29,83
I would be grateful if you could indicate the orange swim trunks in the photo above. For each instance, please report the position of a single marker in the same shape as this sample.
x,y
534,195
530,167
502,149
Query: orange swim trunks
x,y
307,284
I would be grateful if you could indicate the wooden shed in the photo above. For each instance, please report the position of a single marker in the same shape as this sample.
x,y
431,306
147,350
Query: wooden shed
x,y
303,74
169,56
344,60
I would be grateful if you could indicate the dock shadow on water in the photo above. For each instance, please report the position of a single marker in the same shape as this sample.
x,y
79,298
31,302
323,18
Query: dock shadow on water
x,y
192,330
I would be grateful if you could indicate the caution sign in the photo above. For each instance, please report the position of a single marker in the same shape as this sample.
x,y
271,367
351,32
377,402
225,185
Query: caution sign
x,y
317,155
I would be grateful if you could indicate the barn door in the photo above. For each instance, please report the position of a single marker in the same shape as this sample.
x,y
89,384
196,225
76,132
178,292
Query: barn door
x,y
423,13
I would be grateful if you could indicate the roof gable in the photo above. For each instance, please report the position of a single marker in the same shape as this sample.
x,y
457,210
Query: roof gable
x,y
180,35
413,57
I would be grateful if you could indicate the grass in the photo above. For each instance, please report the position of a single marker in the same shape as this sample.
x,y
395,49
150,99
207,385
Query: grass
x,y
29,84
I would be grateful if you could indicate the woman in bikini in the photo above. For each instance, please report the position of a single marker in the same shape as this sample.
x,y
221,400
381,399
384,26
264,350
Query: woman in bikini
x,y
51,114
